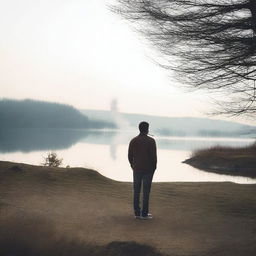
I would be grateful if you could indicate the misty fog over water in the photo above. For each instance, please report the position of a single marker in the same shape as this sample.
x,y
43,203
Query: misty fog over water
x,y
106,152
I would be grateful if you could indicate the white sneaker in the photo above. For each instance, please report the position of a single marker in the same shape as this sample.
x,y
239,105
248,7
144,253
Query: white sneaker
x,y
148,217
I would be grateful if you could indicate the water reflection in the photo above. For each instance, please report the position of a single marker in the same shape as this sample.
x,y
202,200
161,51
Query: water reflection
x,y
28,140
192,143
106,151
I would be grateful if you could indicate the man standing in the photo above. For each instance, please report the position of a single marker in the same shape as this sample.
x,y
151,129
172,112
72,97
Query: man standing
x,y
143,158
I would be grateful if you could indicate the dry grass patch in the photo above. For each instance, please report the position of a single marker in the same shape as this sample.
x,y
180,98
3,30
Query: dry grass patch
x,y
237,161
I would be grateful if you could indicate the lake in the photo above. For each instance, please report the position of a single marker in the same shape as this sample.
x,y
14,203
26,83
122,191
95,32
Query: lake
x,y
106,152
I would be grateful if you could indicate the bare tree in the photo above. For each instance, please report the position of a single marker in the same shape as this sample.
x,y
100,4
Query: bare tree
x,y
210,44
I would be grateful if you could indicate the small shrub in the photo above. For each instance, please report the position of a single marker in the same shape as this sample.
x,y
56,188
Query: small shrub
x,y
52,160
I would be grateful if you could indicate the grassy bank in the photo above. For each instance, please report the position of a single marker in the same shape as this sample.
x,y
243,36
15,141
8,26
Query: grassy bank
x,y
237,161
76,211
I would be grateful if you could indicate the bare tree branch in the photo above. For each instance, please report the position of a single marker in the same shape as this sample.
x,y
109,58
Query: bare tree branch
x,y
213,43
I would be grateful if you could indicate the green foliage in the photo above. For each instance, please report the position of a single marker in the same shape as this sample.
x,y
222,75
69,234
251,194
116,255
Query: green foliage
x,y
52,160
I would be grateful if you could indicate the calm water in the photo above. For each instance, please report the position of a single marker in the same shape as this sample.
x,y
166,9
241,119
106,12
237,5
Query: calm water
x,y
106,152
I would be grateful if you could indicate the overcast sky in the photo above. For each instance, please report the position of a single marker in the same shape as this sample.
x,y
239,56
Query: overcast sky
x,y
78,52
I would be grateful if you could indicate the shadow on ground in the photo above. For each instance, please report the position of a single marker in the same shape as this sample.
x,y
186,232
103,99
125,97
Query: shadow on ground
x,y
33,236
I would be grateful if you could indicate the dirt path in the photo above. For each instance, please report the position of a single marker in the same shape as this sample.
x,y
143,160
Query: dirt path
x,y
189,218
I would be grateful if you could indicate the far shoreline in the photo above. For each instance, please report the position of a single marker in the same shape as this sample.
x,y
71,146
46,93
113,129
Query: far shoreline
x,y
235,161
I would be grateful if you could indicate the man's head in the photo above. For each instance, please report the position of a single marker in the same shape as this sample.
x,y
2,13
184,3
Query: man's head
x,y
143,127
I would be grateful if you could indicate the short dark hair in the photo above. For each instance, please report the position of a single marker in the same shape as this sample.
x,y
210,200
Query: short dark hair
x,y
143,126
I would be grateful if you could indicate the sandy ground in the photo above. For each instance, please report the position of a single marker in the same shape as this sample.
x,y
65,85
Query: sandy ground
x,y
189,218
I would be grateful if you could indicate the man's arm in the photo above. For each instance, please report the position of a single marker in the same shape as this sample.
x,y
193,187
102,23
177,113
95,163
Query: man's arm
x,y
153,155
130,153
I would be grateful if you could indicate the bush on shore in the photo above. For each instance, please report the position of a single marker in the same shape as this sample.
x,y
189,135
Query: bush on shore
x,y
52,160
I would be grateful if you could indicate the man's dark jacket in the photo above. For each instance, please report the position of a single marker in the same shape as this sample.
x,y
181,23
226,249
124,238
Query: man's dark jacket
x,y
142,153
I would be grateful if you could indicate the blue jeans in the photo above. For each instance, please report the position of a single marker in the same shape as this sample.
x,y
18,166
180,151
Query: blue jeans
x,y
138,179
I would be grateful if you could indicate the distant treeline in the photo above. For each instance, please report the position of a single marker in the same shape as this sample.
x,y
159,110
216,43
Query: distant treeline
x,y
40,114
